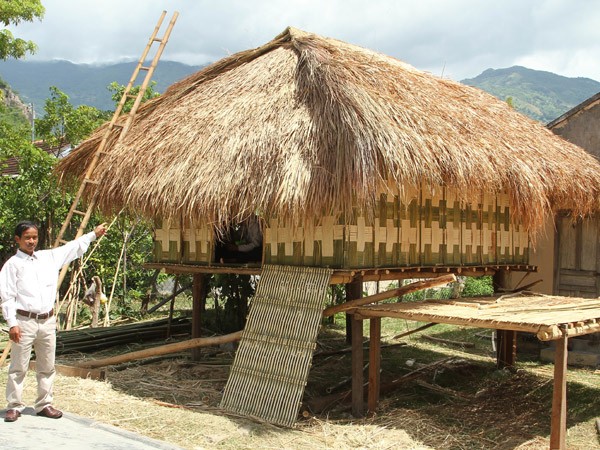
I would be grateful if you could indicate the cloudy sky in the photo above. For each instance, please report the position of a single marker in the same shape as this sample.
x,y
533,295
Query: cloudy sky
x,y
454,38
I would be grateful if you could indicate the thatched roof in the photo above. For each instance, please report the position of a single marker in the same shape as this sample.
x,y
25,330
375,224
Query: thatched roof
x,y
307,125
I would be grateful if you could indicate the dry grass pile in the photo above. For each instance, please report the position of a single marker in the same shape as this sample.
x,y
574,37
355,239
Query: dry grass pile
x,y
176,400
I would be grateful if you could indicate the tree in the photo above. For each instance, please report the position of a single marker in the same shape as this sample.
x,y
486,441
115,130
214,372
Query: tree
x,y
64,123
32,195
118,89
13,12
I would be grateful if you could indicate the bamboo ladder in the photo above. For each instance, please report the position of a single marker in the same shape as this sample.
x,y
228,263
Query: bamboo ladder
x,y
89,179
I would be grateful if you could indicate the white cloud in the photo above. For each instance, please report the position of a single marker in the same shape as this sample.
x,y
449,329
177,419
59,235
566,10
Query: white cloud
x,y
459,37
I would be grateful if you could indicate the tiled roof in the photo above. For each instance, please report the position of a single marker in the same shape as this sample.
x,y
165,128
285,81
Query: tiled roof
x,y
10,167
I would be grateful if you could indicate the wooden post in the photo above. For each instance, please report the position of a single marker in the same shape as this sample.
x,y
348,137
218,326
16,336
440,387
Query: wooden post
x,y
353,291
558,427
506,349
374,363
198,300
357,367
506,340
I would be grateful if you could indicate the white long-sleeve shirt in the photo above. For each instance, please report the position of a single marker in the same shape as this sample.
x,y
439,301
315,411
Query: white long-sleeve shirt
x,y
29,282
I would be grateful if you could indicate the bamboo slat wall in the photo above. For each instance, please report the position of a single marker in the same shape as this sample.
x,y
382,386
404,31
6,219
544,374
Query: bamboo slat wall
x,y
192,244
422,227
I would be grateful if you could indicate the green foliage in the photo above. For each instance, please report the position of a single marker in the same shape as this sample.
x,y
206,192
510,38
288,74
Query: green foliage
x,y
12,13
231,293
64,123
117,93
33,194
478,286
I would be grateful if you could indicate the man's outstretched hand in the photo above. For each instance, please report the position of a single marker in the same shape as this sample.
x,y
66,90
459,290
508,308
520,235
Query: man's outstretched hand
x,y
100,230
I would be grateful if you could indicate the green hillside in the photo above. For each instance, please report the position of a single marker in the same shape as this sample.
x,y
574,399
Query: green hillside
x,y
543,96
84,84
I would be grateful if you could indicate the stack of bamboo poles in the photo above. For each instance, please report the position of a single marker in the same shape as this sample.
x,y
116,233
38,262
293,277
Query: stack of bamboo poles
x,y
93,339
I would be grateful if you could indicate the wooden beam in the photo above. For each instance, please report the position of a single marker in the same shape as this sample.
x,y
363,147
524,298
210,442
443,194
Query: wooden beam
x,y
163,350
412,287
374,364
72,371
198,300
353,292
558,427
357,368
191,269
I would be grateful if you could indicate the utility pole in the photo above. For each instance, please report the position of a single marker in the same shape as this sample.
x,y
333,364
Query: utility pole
x,y
32,123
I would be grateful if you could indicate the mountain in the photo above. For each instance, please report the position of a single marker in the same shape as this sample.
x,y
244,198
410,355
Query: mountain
x,y
85,84
543,96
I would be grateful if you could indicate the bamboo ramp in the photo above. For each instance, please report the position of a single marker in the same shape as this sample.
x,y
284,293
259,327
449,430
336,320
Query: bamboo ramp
x,y
271,365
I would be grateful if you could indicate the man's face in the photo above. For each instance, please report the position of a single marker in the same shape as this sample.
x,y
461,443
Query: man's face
x,y
27,242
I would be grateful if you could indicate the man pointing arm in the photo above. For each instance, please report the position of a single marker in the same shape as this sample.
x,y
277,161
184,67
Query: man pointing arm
x,y
28,284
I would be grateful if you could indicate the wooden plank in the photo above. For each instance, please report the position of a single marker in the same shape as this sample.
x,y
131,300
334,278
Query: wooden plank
x,y
558,427
589,248
357,368
506,348
374,364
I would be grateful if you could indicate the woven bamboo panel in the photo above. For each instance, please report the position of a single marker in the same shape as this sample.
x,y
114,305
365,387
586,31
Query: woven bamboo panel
x,y
167,241
428,226
424,226
198,243
505,242
271,365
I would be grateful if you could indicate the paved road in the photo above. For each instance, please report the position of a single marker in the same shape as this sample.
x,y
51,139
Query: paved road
x,y
71,432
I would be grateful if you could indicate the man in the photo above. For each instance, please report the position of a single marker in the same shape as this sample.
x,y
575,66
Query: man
x,y
28,283
248,247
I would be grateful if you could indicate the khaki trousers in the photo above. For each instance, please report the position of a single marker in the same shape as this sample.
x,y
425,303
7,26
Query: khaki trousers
x,y
41,336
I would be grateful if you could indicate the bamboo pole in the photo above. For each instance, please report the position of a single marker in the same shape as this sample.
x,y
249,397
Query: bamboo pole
x,y
162,350
558,427
374,364
415,330
412,287
357,367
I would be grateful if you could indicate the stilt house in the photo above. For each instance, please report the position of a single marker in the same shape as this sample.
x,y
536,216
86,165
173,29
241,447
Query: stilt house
x,y
353,160
360,167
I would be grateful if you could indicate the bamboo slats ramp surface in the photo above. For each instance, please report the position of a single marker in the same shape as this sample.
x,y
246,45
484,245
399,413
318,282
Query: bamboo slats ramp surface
x,y
271,365
542,315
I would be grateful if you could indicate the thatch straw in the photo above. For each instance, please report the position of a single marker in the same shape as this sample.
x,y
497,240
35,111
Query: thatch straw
x,y
306,126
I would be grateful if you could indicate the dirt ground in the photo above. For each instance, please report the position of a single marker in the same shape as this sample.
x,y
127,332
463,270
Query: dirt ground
x,y
463,403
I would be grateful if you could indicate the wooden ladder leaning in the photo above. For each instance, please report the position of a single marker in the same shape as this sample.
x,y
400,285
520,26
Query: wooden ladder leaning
x,y
89,180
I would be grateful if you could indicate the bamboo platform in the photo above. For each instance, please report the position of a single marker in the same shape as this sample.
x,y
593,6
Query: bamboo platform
x,y
350,275
541,315
549,317
271,365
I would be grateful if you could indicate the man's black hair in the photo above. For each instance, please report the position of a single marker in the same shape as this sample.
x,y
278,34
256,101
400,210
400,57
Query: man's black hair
x,y
24,226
